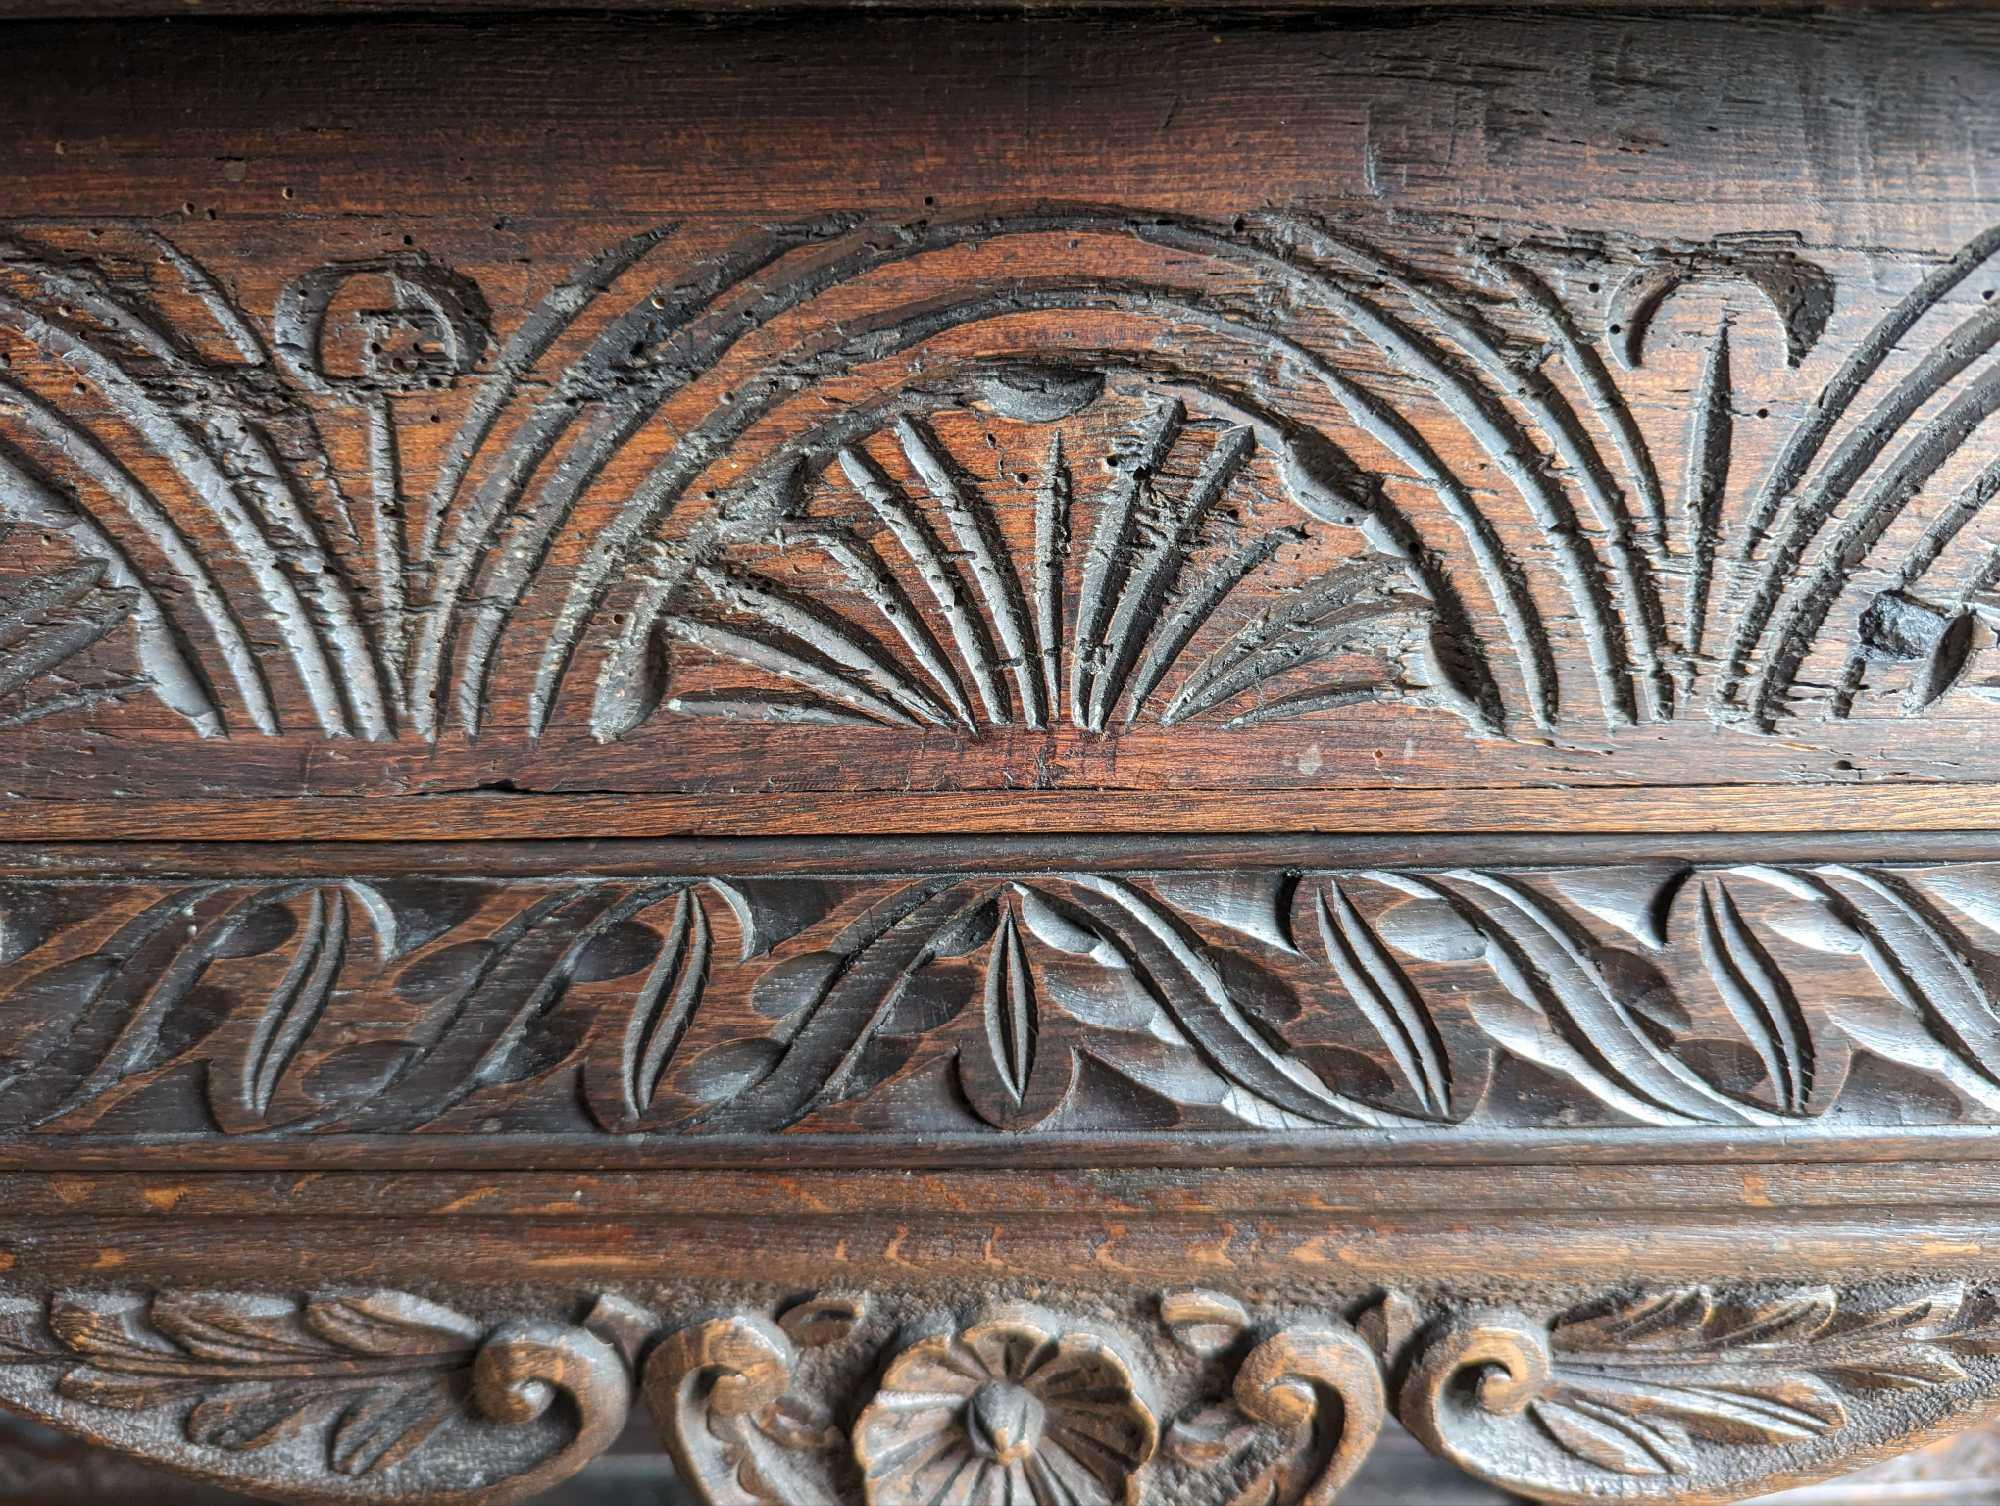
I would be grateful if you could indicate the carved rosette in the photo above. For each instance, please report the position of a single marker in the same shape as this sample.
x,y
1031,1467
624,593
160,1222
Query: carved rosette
x,y
1005,1410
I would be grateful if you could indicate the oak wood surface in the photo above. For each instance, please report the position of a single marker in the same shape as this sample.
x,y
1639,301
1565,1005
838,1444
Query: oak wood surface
x,y
976,748
1501,189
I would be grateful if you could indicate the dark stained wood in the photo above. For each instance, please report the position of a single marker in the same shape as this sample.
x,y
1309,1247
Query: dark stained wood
x,y
973,756
1116,997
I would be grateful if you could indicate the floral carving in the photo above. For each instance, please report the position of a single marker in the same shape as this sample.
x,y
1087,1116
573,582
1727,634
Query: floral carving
x,y
1673,1394
1002,1411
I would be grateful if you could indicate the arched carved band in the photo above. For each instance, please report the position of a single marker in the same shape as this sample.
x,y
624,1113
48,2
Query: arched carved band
x,y
1360,398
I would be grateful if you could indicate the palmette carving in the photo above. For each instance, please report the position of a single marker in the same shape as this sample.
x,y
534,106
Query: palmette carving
x,y
1788,997
370,1396
1083,469
1669,1394
1684,1395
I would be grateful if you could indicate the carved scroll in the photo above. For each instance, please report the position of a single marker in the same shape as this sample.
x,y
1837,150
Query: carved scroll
x,y
716,1391
1317,1384
1686,1396
370,1396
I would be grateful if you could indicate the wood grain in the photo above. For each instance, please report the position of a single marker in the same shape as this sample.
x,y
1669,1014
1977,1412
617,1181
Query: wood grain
x,y
1019,756
1072,474
1639,810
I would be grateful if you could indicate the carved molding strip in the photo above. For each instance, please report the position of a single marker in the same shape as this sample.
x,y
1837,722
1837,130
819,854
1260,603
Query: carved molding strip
x,y
887,1398
1015,481
1786,997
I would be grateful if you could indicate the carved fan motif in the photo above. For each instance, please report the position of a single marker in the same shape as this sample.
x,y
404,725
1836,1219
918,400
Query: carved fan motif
x,y
1184,474
1046,549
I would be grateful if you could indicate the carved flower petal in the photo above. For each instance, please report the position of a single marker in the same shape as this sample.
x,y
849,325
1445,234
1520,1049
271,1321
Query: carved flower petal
x,y
934,1365
1008,1349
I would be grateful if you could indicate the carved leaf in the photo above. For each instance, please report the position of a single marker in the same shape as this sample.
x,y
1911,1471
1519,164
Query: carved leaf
x,y
1689,1320
48,624
1605,1437
1758,996
390,1324
495,1005
334,1389
1939,1014
81,1034
381,1428
261,1371
1677,1392
1634,1380
301,997
1559,988
1386,999
665,1004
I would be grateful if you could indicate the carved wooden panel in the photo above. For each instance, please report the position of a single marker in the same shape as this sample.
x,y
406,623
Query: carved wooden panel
x,y
1767,992
1044,494
1000,760
853,1396
1005,486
